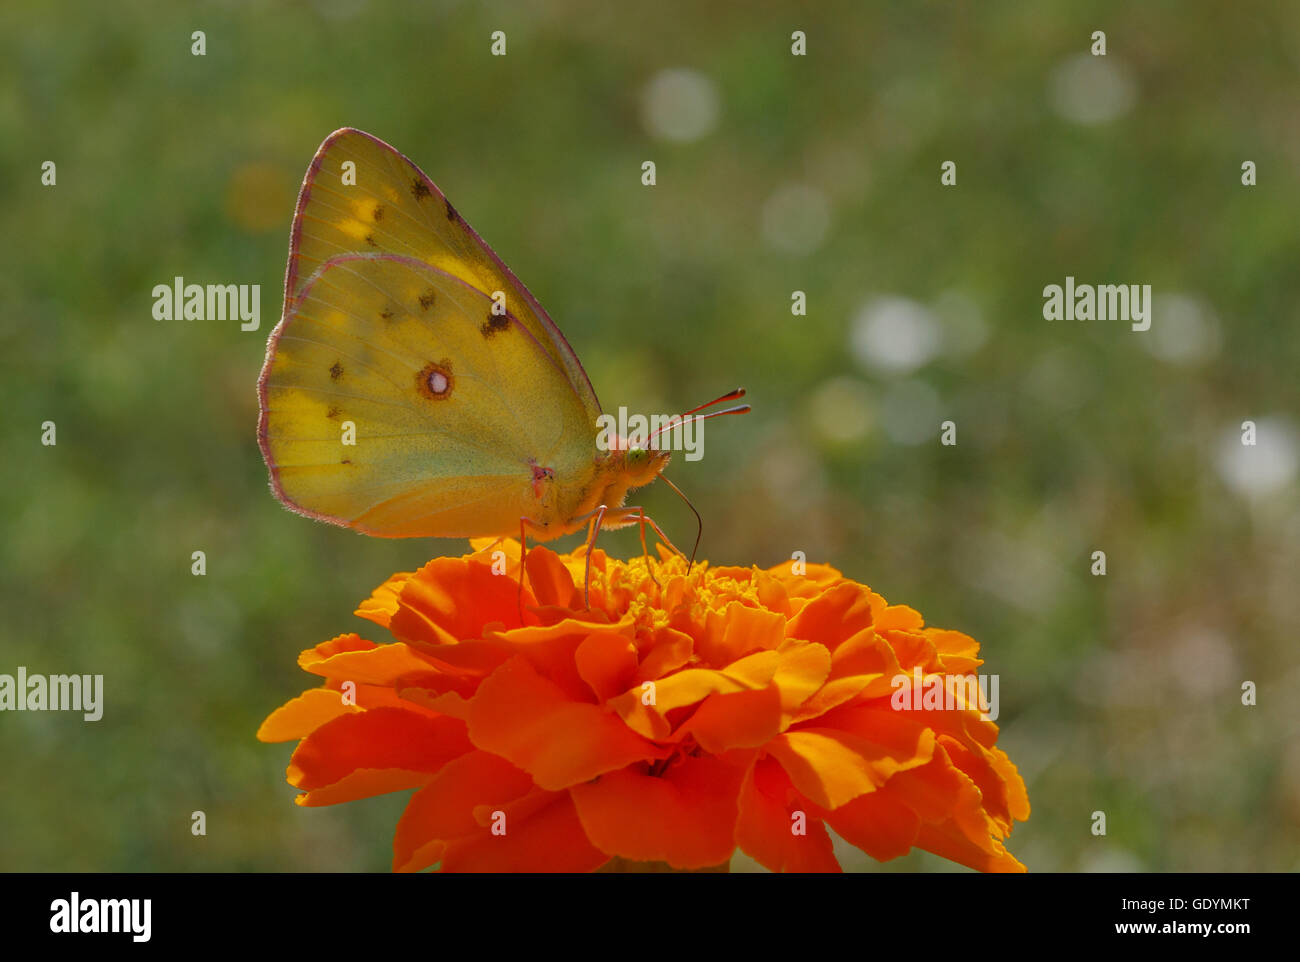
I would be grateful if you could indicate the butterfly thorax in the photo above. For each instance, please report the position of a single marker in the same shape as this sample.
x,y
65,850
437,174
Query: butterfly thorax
x,y
618,471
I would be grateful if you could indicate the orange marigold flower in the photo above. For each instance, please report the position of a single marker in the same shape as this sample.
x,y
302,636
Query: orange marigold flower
x,y
680,717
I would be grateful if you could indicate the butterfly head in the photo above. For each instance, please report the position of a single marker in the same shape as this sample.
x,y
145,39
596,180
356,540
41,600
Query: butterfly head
x,y
641,465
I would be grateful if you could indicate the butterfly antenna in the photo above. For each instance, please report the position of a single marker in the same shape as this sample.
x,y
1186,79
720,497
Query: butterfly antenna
x,y
680,419
699,531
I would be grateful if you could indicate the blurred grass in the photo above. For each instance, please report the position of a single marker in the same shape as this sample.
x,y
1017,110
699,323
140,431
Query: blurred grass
x,y
1118,694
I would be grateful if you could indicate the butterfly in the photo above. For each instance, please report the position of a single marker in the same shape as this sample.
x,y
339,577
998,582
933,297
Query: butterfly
x,y
415,388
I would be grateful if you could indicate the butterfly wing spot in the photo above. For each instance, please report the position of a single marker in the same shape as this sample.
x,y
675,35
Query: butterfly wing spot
x,y
346,461
427,299
370,239
333,413
336,371
378,214
495,324
435,380
419,189
386,314
451,211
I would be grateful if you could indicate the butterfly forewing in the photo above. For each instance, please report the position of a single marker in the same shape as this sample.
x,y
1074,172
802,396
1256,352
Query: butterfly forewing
x,y
361,195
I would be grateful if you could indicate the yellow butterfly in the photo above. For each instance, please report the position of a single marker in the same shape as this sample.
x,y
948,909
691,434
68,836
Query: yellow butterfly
x,y
415,388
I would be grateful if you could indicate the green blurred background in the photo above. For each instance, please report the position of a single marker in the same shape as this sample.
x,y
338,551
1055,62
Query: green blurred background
x,y
775,173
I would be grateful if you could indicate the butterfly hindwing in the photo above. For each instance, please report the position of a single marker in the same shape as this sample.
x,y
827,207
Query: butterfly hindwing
x,y
446,403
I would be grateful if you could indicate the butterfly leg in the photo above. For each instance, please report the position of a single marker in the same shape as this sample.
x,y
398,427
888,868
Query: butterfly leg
x,y
591,544
645,551
654,527
523,556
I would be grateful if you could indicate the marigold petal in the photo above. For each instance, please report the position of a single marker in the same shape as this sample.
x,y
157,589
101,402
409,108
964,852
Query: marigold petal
x,y
832,765
301,716
443,810
765,822
958,653
685,817
836,615
879,823
737,631
552,650
381,604
448,703
550,580
911,649
363,783
380,665
549,839
530,721
450,600
772,593
607,663
690,687
803,669
837,692
668,650
898,617
327,649
379,738
946,840
742,719
1003,791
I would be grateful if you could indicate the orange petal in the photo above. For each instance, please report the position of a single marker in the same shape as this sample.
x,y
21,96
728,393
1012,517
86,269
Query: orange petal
x,y
899,617
327,649
380,665
772,593
550,580
450,600
685,817
690,687
443,810
766,823
802,670
946,840
607,663
836,615
549,838
737,631
448,703
1003,791
832,765
551,650
529,720
381,604
910,648
743,719
363,783
379,738
879,823
303,715
665,651
958,653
